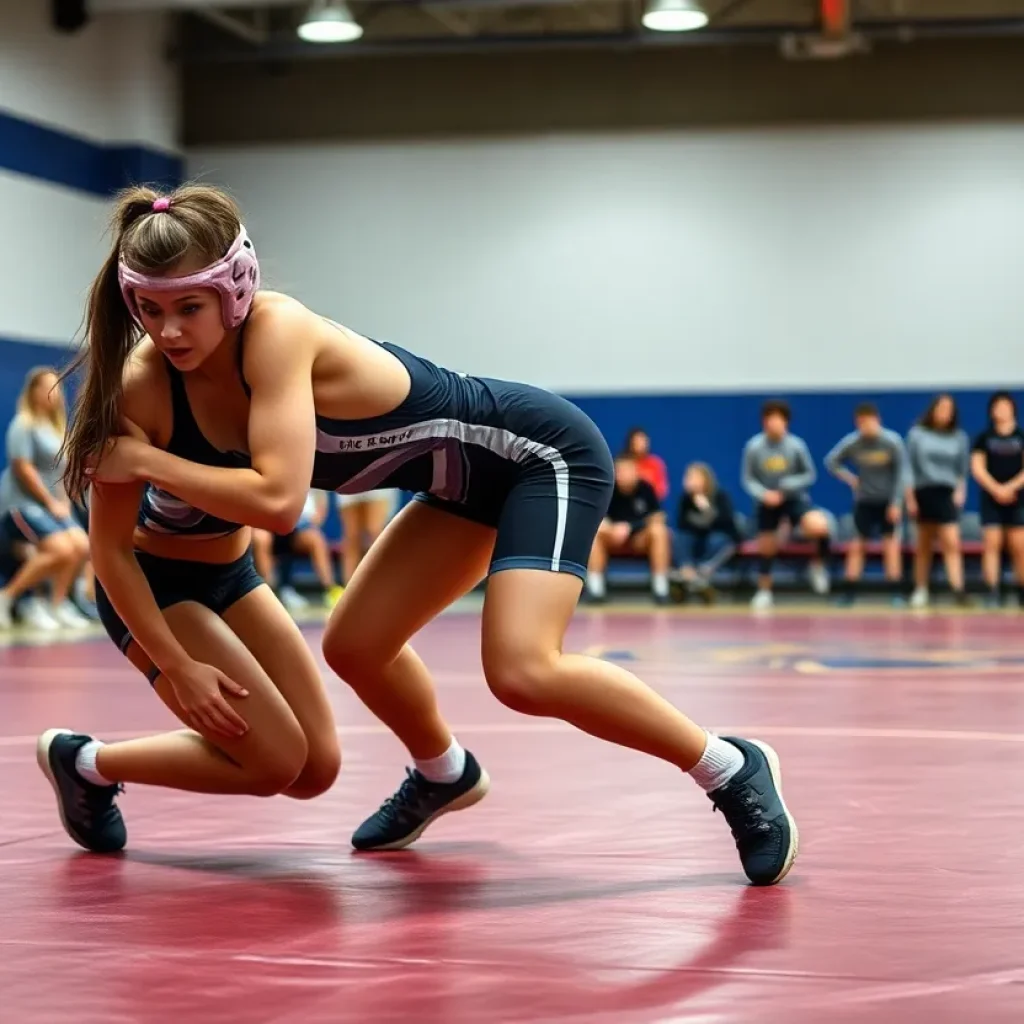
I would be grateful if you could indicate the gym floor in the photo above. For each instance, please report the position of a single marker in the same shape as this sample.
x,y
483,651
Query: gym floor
x,y
592,884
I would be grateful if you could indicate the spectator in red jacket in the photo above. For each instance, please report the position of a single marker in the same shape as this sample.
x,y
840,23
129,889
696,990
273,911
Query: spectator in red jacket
x,y
650,467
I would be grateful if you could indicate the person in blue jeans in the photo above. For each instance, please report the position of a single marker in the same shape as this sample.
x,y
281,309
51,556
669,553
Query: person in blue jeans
x,y
706,532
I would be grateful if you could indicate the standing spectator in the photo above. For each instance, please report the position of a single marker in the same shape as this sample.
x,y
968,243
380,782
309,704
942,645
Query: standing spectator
x,y
939,456
651,467
997,464
36,514
880,458
634,525
777,473
306,539
706,533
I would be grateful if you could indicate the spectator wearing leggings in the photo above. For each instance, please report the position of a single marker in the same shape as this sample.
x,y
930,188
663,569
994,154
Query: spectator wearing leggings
x,y
879,458
997,464
939,460
778,472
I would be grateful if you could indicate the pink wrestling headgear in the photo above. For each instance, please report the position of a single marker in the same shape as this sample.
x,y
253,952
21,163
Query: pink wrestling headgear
x,y
236,277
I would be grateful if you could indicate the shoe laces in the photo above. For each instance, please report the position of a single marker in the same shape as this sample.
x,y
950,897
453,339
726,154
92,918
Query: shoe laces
x,y
744,811
96,803
406,800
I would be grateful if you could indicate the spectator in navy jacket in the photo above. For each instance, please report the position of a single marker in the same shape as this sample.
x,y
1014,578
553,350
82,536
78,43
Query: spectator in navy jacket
x,y
634,525
706,531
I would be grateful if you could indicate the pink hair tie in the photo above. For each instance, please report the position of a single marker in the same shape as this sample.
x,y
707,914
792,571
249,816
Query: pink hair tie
x,y
159,205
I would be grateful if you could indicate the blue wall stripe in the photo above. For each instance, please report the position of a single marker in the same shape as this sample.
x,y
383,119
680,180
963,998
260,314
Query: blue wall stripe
x,y
63,158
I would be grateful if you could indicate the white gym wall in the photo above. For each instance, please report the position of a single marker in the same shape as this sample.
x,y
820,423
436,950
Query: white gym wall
x,y
812,258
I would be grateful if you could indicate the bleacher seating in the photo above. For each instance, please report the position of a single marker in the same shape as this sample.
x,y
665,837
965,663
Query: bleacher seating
x,y
739,574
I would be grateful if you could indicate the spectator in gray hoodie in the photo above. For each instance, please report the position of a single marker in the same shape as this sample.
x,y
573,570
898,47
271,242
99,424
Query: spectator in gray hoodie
x,y
873,461
778,472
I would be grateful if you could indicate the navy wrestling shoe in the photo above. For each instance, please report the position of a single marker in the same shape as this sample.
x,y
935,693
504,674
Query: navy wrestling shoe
x,y
751,801
403,817
87,811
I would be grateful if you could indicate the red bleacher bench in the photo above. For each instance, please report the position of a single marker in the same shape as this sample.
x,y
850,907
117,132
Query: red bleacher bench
x,y
805,549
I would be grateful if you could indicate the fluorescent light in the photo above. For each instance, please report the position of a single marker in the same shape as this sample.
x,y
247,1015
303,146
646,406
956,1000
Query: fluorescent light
x,y
329,23
674,16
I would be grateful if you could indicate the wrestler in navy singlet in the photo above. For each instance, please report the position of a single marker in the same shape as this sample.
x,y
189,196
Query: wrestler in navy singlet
x,y
507,455
161,512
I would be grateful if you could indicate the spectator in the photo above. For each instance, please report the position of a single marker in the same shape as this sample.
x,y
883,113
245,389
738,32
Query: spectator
x,y
363,518
938,451
650,468
306,539
777,472
36,515
997,464
880,459
634,525
706,535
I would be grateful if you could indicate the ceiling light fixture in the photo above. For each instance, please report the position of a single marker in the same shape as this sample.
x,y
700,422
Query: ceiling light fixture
x,y
329,21
674,16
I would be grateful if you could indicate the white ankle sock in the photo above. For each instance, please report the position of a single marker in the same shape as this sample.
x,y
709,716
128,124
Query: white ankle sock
x,y
446,768
85,764
659,584
717,765
595,584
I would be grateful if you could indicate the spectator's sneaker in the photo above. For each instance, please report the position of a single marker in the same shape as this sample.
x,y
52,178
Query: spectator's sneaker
x,y
292,599
751,801
69,616
418,801
36,615
820,582
87,811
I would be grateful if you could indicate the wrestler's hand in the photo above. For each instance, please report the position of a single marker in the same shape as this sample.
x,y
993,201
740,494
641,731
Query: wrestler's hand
x,y
201,690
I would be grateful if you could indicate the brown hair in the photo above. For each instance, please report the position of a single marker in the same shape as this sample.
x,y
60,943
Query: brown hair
x,y
57,416
200,223
928,419
777,405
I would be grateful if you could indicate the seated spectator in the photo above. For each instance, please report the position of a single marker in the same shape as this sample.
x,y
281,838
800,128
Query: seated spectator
x,y
997,464
880,458
306,539
84,592
634,525
650,468
706,536
938,452
35,515
363,518
777,473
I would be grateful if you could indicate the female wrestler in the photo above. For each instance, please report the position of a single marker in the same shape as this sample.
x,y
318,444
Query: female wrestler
x,y
512,484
